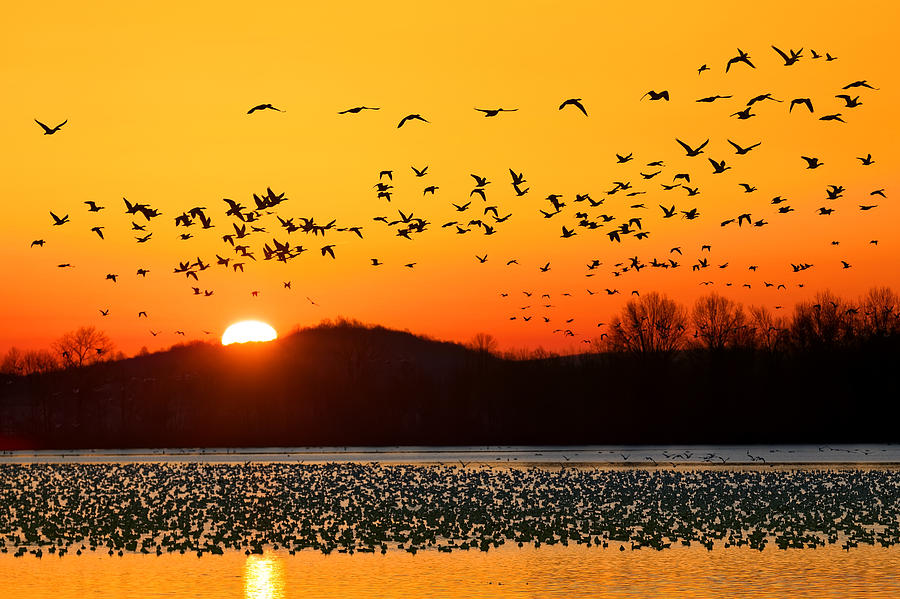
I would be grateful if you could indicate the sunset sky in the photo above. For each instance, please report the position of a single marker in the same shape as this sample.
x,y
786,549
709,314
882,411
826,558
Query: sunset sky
x,y
156,97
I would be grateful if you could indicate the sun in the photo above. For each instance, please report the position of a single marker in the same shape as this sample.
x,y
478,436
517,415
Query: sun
x,y
248,330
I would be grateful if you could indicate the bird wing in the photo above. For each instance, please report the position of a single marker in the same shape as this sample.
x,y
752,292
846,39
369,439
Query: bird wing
x,y
782,54
43,126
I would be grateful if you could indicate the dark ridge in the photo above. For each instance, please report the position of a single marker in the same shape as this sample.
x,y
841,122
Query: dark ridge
x,y
347,384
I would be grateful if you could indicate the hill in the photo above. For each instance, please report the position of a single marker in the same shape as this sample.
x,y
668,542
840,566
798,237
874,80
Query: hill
x,y
348,384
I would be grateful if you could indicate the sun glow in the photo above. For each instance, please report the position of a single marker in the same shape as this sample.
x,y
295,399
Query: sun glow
x,y
248,330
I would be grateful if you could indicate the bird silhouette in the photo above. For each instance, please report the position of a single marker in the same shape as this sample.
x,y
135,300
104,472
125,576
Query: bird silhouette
x,y
802,101
663,95
358,109
740,150
848,101
692,151
741,57
263,107
789,60
576,102
59,221
411,117
50,130
488,112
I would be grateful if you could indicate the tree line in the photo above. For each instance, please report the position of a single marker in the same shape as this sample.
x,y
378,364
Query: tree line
x,y
651,324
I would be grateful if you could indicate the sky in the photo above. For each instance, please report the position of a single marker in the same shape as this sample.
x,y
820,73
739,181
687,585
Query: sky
x,y
156,100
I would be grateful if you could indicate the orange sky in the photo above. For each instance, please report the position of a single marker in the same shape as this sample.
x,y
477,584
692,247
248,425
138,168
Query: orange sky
x,y
156,101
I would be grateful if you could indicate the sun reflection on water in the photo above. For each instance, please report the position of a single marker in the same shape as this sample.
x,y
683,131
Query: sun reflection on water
x,y
263,577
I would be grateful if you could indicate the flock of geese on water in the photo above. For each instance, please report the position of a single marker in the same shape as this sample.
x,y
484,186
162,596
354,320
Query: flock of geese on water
x,y
480,213
209,508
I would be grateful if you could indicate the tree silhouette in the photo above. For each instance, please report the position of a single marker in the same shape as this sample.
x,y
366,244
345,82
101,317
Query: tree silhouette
x,y
719,322
651,324
28,362
881,312
83,347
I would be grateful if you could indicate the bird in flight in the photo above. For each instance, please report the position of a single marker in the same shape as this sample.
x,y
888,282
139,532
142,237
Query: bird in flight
x,y
93,207
411,117
739,150
358,109
804,101
867,160
59,221
495,111
263,107
859,84
712,98
718,166
832,117
692,151
49,130
812,162
789,60
576,102
741,57
98,231
654,95
848,101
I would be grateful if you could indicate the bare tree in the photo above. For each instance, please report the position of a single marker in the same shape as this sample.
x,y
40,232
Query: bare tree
x,y
720,322
880,312
483,343
12,362
28,362
649,324
767,330
82,347
826,321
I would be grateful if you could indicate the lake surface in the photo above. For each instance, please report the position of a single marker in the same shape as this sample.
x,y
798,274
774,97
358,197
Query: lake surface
x,y
506,572
644,455
793,521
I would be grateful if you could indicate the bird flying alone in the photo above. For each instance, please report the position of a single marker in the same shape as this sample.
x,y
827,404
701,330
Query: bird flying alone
x,y
263,107
495,111
411,117
50,130
663,95
358,109
576,102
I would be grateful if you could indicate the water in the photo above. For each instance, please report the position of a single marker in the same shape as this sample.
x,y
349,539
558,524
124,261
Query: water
x,y
453,522
646,455
565,572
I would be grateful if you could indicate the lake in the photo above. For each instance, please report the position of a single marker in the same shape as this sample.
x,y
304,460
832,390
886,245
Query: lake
x,y
808,521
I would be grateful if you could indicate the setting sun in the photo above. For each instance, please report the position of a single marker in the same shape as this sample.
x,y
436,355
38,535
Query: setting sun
x,y
248,330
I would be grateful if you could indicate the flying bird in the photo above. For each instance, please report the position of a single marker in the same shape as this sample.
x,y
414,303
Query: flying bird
x,y
358,109
802,101
412,117
495,111
692,151
49,130
663,95
789,60
263,107
741,57
576,102
59,221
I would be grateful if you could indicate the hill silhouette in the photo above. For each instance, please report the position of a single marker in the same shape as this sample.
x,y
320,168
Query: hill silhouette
x,y
348,384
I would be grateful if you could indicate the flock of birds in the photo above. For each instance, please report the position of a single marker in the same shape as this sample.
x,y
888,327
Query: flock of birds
x,y
262,230
209,508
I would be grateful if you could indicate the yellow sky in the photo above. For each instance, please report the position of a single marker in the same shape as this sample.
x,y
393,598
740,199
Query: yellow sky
x,y
156,99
